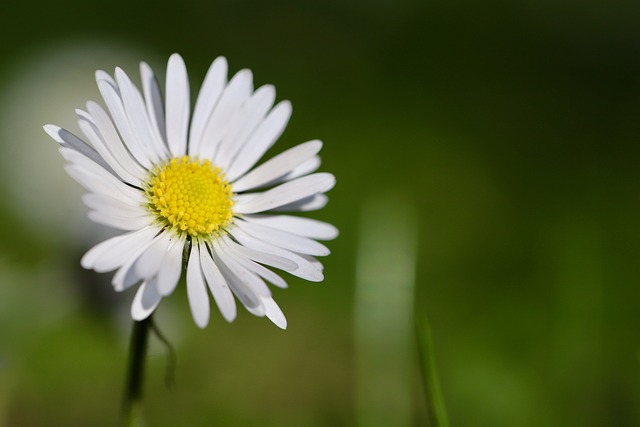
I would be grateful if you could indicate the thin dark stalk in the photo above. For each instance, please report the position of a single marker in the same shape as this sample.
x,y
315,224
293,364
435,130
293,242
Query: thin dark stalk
x,y
132,405
169,376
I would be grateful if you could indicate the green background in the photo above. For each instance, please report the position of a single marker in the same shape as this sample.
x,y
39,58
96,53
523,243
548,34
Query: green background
x,y
510,129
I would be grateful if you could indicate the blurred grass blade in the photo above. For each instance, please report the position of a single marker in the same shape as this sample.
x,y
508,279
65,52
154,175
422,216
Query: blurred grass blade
x,y
435,402
385,276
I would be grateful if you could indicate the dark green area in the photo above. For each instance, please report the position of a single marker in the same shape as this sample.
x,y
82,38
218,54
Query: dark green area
x,y
512,126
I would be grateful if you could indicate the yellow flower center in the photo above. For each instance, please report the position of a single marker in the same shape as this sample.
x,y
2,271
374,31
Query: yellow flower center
x,y
190,196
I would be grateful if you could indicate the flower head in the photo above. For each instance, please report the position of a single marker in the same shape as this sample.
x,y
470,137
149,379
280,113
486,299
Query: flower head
x,y
186,187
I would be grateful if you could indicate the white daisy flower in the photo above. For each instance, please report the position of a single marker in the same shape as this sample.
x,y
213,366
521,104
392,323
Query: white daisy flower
x,y
184,187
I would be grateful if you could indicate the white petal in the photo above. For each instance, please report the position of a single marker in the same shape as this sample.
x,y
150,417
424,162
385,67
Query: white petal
x,y
169,274
258,310
306,270
128,275
145,302
243,124
261,140
196,289
307,227
67,139
214,83
126,220
288,192
108,203
114,104
240,288
253,267
177,105
273,312
120,222
306,168
76,159
217,285
91,132
104,76
278,166
233,262
236,92
154,261
150,262
317,264
153,99
139,121
261,257
311,203
263,272
114,145
95,178
92,181
310,166
115,252
284,239
241,199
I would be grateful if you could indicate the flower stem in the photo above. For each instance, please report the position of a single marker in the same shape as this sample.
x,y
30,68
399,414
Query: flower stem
x,y
132,407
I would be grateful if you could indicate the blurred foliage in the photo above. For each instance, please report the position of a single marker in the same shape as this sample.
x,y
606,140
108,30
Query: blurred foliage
x,y
513,128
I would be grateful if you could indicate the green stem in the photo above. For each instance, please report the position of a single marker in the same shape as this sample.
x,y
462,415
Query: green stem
x,y
435,401
132,408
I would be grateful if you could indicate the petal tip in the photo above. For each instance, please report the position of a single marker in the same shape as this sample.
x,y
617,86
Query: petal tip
x,y
53,131
274,313
176,59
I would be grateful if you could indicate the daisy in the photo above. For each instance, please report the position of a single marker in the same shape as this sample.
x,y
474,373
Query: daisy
x,y
186,190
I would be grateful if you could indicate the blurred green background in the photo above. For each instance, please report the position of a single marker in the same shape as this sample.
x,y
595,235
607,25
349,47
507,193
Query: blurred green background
x,y
508,129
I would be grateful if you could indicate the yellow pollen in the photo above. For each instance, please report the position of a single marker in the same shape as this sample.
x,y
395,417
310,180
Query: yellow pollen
x,y
190,196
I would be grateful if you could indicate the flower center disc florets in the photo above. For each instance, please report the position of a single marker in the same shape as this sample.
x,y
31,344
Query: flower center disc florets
x,y
190,196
